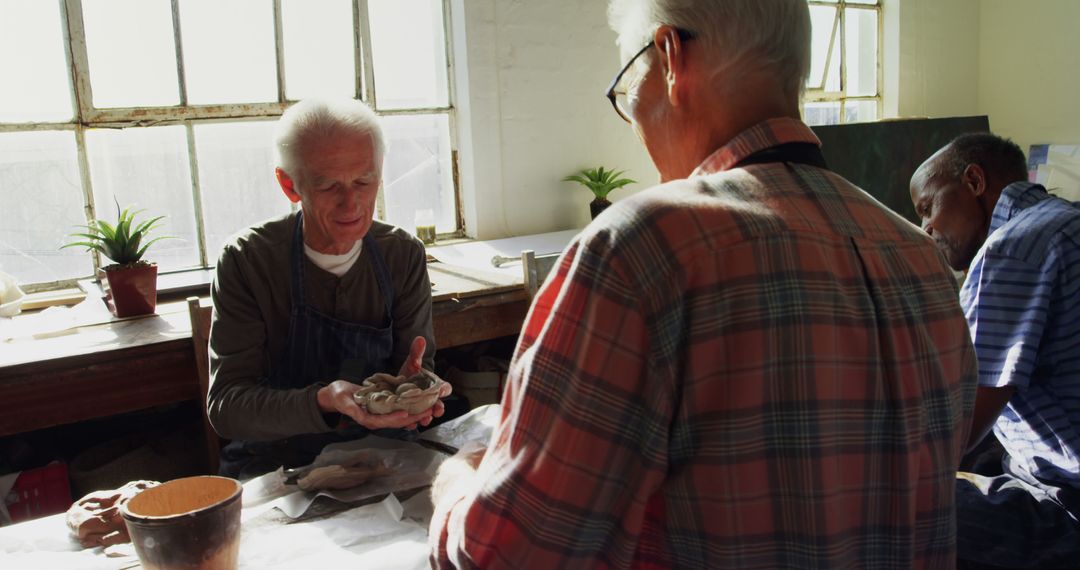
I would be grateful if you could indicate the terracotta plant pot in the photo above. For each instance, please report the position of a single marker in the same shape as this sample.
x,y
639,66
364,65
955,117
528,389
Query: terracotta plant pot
x,y
186,523
598,205
130,290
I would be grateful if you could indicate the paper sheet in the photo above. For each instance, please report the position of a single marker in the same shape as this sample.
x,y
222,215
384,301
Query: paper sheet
x,y
413,467
388,534
478,254
55,320
1057,167
1062,182
45,543
372,536
474,427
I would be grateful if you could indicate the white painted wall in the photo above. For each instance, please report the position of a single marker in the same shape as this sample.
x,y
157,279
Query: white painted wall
x,y
531,77
1029,70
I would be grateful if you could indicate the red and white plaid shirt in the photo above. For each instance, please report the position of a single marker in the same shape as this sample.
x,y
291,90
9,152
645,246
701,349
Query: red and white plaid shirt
x,y
756,367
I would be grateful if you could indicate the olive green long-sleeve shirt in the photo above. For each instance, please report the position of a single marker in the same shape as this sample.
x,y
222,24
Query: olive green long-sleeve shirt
x,y
251,323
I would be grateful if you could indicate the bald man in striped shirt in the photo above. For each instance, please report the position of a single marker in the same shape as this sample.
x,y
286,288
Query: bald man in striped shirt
x,y
1020,247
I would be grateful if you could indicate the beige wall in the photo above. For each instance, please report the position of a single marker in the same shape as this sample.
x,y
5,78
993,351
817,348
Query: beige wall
x,y
1029,69
931,57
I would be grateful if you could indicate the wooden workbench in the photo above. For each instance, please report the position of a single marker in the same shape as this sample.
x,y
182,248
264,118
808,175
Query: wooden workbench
x,y
122,366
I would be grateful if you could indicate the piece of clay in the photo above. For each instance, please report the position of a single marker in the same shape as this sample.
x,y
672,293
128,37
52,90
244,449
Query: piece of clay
x,y
340,476
383,393
94,520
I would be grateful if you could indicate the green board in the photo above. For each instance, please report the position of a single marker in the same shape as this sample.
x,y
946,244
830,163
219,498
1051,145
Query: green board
x,y
881,157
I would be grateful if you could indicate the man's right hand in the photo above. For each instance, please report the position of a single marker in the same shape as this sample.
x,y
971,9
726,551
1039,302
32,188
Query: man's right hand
x,y
338,398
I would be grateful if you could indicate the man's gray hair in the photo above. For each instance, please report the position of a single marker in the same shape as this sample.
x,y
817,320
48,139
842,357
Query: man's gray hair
x,y
313,119
773,33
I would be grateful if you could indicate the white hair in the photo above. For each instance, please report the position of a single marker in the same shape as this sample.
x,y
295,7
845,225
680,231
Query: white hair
x,y
313,119
771,33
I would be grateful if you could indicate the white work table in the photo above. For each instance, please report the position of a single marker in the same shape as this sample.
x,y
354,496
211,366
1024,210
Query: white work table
x,y
283,527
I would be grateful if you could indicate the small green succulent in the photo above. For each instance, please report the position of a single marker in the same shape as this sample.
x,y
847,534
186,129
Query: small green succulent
x,y
601,182
125,243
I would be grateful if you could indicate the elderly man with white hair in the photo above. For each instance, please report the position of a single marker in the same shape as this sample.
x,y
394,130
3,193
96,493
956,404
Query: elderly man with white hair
x,y
752,365
308,305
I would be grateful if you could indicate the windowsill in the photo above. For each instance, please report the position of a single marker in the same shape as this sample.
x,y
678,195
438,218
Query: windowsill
x,y
171,286
447,241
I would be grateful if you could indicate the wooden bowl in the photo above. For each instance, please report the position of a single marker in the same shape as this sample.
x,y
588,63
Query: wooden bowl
x,y
186,523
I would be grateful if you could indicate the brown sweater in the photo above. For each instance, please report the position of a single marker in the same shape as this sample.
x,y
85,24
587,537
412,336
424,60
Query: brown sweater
x,y
251,323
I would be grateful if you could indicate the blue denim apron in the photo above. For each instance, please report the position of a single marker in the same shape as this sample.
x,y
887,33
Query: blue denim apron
x,y
318,346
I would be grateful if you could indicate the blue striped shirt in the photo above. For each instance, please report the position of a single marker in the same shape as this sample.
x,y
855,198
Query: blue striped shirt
x,y
1022,302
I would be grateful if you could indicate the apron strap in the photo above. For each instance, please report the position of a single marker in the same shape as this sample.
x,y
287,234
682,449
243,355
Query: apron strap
x,y
382,274
795,152
296,275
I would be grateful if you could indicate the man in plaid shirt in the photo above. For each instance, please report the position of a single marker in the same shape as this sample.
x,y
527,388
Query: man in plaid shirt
x,y
753,365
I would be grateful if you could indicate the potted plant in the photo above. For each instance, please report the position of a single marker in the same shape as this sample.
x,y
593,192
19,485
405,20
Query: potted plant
x,y
601,182
130,283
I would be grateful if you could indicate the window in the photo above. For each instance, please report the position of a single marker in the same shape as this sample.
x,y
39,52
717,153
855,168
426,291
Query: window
x,y
170,105
845,70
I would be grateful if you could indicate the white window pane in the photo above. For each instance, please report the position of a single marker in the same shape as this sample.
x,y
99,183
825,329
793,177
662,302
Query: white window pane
x,y
822,113
417,174
147,168
862,51
132,55
860,111
822,20
43,205
229,51
36,85
409,48
236,177
832,77
867,2
319,48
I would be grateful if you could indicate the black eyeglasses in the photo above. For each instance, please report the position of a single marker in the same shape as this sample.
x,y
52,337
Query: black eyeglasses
x,y
618,98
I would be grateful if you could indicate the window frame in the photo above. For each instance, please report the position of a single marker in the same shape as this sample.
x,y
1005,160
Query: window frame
x,y
86,116
818,94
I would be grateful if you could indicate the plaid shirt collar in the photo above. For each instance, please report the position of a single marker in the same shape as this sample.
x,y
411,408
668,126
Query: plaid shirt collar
x,y
764,135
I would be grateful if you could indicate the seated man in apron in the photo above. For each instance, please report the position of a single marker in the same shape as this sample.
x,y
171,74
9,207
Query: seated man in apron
x,y
308,305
